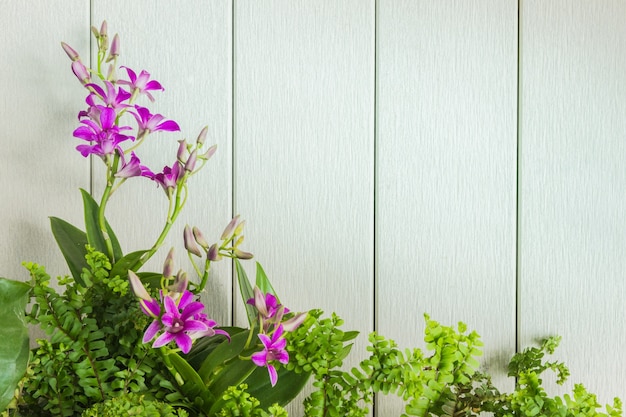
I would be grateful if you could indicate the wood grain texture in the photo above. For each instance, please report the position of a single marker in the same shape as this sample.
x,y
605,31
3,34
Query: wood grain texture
x,y
186,46
40,170
572,201
304,140
446,176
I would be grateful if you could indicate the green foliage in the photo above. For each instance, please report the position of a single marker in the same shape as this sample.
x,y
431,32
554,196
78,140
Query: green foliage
x,y
92,353
133,405
14,343
238,402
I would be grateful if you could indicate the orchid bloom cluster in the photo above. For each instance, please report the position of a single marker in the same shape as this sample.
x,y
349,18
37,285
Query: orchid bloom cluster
x,y
111,101
272,330
177,315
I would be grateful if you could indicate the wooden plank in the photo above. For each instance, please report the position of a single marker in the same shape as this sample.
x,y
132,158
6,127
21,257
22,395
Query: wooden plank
x,y
304,79
40,170
187,48
572,200
446,173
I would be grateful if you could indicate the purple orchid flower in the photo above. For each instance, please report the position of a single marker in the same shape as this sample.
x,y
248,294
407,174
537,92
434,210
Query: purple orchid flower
x,y
274,350
110,98
132,168
149,123
142,84
267,304
103,133
169,177
179,319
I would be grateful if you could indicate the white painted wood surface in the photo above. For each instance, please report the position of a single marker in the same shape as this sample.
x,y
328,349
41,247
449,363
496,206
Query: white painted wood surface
x,y
446,172
573,177
372,148
186,46
40,172
304,146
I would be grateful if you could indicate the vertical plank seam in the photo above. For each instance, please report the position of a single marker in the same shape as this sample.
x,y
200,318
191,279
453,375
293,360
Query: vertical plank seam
x,y
518,183
374,188
233,173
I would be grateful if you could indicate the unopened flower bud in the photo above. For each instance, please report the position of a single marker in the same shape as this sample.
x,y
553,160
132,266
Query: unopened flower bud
x,y
168,265
191,162
213,253
114,52
181,155
137,286
209,153
238,242
197,234
239,228
81,72
239,254
202,135
294,322
71,53
104,37
190,243
180,282
228,231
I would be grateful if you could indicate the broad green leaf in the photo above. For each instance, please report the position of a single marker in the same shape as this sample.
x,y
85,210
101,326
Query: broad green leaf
x,y
288,386
72,242
121,267
205,345
233,374
92,226
263,282
193,386
246,292
14,349
212,365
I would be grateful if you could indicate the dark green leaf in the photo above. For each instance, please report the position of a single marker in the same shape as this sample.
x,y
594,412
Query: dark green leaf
x,y
288,386
72,242
94,234
14,349
213,364
121,267
246,292
263,282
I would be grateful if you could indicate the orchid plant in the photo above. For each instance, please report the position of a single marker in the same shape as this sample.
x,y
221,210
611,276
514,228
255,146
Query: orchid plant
x,y
124,341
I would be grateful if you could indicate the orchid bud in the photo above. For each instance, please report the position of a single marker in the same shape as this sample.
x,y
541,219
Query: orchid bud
x,y
213,254
228,231
293,323
202,135
115,48
104,37
190,243
181,155
238,242
239,229
239,254
180,282
197,234
137,286
209,153
191,162
168,265
81,72
71,53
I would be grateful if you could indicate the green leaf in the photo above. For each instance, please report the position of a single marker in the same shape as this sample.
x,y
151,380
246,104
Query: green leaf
x,y
287,388
14,349
246,292
263,282
121,267
94,234
193,386
213,364
72,242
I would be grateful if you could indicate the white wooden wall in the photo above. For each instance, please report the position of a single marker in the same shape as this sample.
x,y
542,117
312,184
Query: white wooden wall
x,y
392,158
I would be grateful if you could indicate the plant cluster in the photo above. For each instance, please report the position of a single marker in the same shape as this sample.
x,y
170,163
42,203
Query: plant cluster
x,y
126,342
